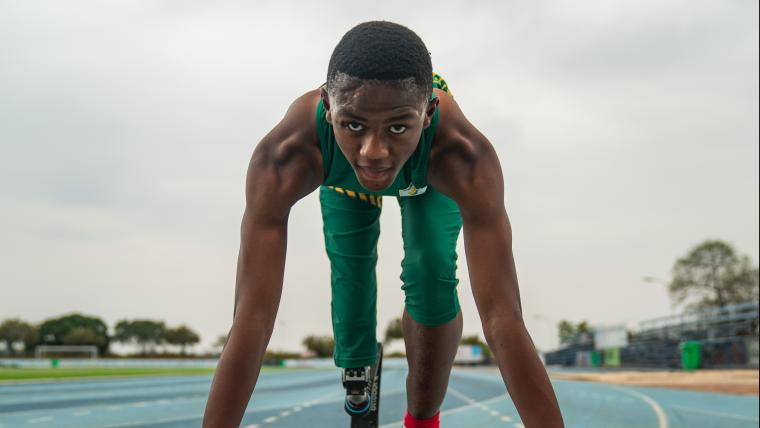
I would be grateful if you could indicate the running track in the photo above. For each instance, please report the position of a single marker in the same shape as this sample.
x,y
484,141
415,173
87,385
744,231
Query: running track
x,y
312,398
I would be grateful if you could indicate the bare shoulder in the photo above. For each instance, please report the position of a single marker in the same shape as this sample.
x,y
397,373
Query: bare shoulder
x,y
463,163
294,138
287,162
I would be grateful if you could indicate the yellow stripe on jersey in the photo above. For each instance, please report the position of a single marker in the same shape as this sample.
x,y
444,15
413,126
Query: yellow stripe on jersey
x,y
441,84
372,199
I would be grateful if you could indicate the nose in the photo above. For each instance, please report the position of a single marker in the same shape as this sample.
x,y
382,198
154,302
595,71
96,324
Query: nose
x,y
373,148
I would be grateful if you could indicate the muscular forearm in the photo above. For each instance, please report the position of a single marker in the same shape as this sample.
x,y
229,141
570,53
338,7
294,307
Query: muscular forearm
x,y
523,373
236,373
259,286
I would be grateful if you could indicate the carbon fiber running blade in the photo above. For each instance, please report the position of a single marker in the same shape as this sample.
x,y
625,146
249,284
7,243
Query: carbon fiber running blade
x,y
370,419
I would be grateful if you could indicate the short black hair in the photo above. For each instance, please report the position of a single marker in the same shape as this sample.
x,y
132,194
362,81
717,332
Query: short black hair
x,y
382,51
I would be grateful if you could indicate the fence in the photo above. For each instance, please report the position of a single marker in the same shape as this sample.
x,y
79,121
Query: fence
x,y
728,337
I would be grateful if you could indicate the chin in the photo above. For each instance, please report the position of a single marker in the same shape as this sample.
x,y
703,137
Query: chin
x,y
375,186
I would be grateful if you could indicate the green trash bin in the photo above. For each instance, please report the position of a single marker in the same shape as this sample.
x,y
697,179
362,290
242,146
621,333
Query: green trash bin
x,y
54,362
691,354
596,358
612,357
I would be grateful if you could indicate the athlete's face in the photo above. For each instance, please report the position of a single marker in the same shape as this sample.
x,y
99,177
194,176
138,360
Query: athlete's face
x,y
377,127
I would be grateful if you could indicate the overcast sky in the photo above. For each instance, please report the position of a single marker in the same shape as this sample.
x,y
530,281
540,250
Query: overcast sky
x,y
627,132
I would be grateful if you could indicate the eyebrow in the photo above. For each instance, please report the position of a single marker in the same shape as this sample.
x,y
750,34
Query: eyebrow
x,y
399,117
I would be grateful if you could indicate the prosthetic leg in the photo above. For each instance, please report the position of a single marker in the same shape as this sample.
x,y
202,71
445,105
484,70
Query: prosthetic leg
x,y
363,392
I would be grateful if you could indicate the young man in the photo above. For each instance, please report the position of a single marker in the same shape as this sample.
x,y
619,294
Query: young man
x,y
379,128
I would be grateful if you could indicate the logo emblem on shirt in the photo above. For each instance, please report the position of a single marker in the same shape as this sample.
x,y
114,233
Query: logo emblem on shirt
x,y
412,191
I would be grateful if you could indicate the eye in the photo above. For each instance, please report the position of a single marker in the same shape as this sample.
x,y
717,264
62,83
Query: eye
x,y
354,126
397,129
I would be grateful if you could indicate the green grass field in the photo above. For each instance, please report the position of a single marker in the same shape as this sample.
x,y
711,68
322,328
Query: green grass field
x,y
15,374
8,374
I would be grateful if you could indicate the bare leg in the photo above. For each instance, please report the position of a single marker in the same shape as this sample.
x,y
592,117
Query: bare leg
x,y
430,353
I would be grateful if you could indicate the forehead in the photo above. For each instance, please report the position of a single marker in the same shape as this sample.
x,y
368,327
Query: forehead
x,y
374,97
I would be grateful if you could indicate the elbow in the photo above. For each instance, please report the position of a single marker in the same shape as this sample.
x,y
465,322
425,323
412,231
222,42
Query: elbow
x,y
253,317
499,326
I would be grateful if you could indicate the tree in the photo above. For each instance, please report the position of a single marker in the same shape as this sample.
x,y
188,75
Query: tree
x,y
83,336
572,333
181,336
16,330
712,274
322,346
566,332
53,331
475,340
584,330
141,332
393,331
220,342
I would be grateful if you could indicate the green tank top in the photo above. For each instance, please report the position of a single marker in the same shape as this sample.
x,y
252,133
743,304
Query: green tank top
x,y
410,181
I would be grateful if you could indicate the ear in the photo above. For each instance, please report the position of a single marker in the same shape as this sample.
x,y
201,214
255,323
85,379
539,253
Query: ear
x,y
326,103
429,111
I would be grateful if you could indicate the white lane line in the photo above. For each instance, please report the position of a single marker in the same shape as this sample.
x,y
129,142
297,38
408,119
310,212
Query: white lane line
x,y
297,408
270,419
252,426
40,420
74,408
519,426
662,418
285,413
81,413
506,418
470,400
140,404
465,398
324,399
717,414
450,411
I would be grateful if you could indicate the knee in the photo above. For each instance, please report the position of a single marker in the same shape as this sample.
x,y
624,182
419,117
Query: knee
x,y
429,284
431,300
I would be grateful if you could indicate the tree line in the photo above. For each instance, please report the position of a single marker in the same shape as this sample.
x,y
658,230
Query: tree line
x,y
710,274
79,329
322,346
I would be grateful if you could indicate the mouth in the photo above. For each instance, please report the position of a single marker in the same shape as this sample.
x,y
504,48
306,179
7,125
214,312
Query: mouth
x,y
374,173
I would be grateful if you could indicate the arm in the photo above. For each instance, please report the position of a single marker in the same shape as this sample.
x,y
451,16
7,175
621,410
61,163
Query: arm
x,y
494,284
467,169
283,169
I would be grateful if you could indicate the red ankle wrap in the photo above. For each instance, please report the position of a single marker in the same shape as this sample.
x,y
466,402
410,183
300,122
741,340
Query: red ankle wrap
x,y
410,422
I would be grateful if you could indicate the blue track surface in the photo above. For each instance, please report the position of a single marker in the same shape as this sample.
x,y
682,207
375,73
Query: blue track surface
x,y
313,398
